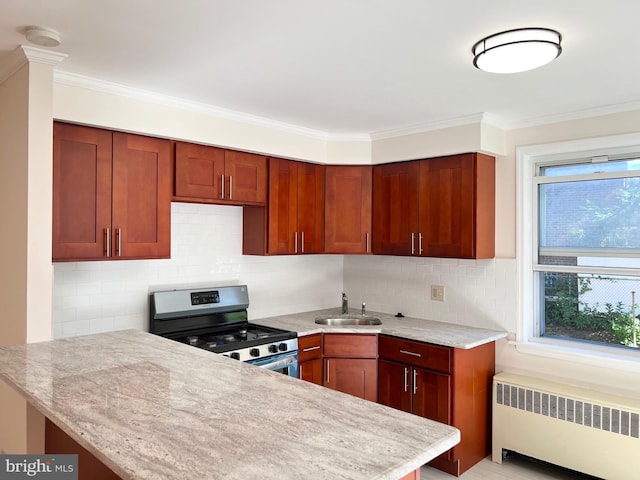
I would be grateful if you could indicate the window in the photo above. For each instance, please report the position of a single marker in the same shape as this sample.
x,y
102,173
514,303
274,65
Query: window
x,y
579,245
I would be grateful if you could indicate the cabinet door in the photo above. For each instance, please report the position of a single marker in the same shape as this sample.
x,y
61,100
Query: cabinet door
x,y
282,206
457,205
394,388
348,196
355,376
431,395
395,208
310,208
311,371
245,177
81,192
198,171
141,199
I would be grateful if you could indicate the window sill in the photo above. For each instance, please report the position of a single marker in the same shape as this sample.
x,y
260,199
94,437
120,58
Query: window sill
x,y
609,357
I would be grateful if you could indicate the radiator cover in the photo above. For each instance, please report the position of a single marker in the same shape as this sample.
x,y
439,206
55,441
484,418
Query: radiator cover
x,y
585,430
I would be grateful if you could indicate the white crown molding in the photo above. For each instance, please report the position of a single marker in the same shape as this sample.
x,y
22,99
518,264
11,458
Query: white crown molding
x,y
22,55
76,80
18,58
73,79
40,55
575,115
439,125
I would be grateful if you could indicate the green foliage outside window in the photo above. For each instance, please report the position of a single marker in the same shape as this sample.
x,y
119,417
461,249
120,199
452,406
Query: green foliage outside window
x,y
568,316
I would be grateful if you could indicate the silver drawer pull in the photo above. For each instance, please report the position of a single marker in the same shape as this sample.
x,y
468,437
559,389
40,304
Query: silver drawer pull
x,y
107,242
309,349
410,353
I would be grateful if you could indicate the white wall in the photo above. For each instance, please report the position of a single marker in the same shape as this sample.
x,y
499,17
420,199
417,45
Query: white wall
x,y
26,277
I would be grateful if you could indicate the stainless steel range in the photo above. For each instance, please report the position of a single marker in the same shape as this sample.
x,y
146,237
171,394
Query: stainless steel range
x,y
215,319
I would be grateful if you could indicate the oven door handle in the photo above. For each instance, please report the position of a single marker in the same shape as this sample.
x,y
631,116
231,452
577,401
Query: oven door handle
x,y
277,363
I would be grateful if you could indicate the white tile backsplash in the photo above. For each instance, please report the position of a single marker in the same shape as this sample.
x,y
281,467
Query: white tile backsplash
x,y
206,245
480,293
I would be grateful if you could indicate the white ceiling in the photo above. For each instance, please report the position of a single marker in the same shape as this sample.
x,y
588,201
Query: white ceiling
x,y
345,67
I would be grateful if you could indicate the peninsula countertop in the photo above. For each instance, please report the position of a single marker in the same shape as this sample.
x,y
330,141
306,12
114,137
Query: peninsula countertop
x,y
439,333
152,408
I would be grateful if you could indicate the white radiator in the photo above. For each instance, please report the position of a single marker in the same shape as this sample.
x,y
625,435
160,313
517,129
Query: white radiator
x,y
584,430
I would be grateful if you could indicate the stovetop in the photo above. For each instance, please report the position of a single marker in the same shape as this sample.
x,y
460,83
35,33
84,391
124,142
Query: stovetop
x,y
242,337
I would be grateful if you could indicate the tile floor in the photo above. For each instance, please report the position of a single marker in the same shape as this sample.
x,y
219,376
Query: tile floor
x,y
514,467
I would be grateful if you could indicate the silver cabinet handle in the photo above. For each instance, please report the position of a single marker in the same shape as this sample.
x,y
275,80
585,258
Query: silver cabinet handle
x,y
295,242
230,187
310,349
413,241
366,239
420,244
406,352
107,242
302,242
406,385
328,372
222,186
415,383
119,239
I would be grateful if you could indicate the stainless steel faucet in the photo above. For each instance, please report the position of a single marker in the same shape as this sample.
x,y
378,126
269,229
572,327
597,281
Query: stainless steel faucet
x,y
364,306
345,303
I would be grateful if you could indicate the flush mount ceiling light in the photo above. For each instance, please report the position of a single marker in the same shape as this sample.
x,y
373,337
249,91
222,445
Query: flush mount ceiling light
x,y
517,50
42,36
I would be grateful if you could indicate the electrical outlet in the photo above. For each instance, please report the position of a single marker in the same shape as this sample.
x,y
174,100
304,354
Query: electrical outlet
x,y
437,293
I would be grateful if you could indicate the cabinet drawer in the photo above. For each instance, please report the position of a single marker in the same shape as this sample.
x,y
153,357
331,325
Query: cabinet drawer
x,y
350,345
425,355
309,347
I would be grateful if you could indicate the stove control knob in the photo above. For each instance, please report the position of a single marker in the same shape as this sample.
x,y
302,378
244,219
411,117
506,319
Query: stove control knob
x,y
235,355
254,352
273,348
282,347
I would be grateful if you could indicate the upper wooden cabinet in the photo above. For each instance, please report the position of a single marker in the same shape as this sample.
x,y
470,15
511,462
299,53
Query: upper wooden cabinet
x,y
439,207
111,195
292,223
457,206
347,209
210,174
395,208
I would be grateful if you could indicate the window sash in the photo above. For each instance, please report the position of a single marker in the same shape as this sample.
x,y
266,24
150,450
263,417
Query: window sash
x,y
631,272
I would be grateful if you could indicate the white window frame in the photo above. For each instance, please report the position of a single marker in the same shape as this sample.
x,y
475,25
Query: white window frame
x,y
527,158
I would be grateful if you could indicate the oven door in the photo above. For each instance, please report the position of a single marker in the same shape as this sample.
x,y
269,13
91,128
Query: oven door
x,y
286,363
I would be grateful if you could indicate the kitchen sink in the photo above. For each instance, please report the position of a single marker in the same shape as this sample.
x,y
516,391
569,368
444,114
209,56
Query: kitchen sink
x,y
339,320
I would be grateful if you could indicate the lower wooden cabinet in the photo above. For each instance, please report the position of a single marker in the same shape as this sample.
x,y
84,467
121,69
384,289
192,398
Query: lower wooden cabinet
x,y
57,442
449,385
415,390
415,475
310,358
350,364
355,376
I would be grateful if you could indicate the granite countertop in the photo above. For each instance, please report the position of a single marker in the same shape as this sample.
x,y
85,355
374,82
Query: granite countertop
x,y
439,333
150,408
